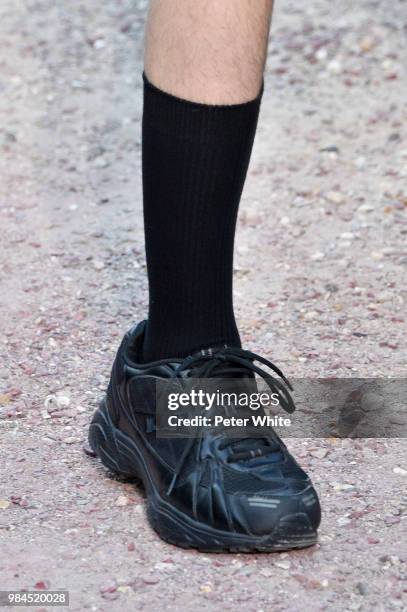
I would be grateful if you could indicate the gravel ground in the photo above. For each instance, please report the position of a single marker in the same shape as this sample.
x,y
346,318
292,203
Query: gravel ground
x,y
320,286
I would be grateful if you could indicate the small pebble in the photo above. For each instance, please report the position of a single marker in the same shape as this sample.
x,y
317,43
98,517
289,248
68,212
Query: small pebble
x,y
334,67
319,453
282,564
122,501
150,579
101,162
361,588
42,585
365,208
335,197
342,486
108,587
98,264
317,256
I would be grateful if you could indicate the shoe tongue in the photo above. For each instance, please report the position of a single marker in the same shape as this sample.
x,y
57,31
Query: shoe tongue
x,y
243,445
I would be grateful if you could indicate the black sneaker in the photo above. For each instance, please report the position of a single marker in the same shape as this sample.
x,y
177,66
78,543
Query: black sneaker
x,y
214,493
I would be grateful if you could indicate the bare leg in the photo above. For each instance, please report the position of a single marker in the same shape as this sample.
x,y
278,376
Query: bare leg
x,y
210,51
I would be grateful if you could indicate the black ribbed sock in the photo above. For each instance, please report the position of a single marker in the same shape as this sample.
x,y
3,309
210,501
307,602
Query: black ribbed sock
x,y
195,159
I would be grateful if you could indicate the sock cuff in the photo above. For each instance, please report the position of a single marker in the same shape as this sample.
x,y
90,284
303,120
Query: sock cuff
x,y
148,85
166,111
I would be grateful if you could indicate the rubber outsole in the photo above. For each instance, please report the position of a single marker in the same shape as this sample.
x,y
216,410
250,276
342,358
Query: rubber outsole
x,y
120,454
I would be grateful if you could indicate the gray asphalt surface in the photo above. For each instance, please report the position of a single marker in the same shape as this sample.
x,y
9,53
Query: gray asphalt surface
x,y
320,288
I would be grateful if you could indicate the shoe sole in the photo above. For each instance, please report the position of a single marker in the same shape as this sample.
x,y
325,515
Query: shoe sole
x,y
120,454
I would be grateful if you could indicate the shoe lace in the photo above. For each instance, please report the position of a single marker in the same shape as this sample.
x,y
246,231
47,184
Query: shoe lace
x,y
234,361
